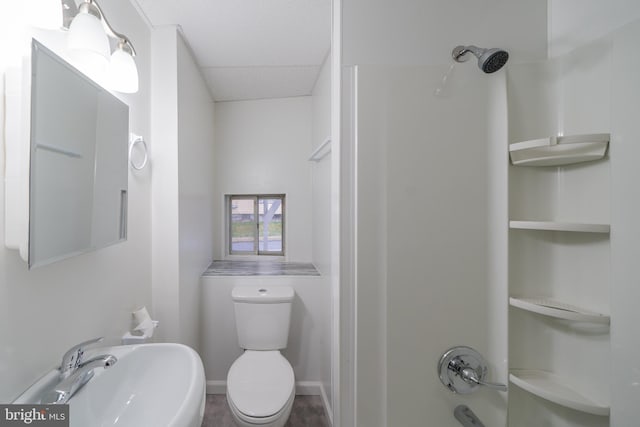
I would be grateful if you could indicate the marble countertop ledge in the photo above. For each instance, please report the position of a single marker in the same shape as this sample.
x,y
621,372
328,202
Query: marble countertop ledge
x,y
260,268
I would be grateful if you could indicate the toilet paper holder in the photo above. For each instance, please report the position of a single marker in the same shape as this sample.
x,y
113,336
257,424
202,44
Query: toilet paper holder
x,y
143,331
462,370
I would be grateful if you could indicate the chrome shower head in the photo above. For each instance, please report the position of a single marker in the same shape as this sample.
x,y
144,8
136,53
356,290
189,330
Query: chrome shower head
x,y
489,60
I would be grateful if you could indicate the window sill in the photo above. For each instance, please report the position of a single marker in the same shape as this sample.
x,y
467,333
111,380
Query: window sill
x,y
260,268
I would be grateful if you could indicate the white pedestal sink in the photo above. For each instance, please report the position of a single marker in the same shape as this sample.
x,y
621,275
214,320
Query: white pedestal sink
x,y
151,385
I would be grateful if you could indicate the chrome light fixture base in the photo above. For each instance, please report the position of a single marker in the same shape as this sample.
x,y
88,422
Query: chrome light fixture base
x,y
122,73
70,10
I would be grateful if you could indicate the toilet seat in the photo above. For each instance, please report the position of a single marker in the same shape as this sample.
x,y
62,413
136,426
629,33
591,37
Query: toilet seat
x,y
281,416
260,385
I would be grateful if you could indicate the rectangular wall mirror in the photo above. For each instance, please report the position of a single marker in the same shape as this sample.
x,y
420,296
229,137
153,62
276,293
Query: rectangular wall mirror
x,y
78,166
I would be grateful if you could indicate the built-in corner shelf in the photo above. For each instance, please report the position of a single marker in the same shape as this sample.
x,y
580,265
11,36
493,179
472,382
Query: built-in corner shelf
x,y
559,150
551,308
560,226
550,387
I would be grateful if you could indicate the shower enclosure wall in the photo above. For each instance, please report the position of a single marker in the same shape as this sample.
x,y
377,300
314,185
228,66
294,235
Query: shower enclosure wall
x,y
433,193
431,239
567,370
571,267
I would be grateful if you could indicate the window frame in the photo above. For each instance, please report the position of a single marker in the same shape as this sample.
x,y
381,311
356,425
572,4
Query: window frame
x,y
256,209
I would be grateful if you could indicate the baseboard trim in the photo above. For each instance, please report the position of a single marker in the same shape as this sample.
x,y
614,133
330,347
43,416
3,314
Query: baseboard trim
x,y
327,406
303,388
216,387
308,388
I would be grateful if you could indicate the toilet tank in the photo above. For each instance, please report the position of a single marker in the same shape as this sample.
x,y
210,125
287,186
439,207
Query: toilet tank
x,y
262,316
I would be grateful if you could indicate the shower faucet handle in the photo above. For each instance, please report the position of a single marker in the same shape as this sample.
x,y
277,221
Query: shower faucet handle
x,y
462,370
470,376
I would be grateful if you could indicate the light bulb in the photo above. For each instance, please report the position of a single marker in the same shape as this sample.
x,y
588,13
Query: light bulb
x,y
123,73
87,43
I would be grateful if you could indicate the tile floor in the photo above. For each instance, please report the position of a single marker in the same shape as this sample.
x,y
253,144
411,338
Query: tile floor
x,y
307,411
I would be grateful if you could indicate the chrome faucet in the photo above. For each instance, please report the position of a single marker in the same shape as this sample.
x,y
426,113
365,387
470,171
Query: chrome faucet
x,y
65,389
75,372
73,357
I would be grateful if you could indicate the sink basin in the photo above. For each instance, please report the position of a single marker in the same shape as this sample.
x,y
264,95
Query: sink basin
x,y
150,385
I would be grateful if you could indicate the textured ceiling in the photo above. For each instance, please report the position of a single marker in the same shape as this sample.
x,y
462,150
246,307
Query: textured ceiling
x,y
251,49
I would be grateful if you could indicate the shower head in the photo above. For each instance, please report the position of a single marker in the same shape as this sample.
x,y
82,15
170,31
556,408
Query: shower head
x,y
489,60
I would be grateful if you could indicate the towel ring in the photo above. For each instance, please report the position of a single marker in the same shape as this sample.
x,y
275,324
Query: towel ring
x,y
138,140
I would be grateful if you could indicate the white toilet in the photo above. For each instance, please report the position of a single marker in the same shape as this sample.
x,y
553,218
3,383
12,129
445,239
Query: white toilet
x,y
260,383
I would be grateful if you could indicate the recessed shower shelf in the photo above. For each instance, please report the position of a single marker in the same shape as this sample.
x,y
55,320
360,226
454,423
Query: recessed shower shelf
x,y
559,150
560,226
550,387
552,308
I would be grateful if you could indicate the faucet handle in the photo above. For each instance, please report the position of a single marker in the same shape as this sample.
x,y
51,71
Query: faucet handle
x,y
470,376
462,370
73,357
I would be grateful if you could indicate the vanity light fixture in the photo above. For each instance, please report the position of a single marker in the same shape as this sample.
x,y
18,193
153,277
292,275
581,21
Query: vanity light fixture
x,y
123,73
89,34
89,42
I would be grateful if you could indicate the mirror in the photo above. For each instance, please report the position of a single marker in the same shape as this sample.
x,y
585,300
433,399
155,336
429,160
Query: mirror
x,y
78,173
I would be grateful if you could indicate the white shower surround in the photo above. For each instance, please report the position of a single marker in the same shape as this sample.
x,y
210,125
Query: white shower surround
x,y
363,46
432,240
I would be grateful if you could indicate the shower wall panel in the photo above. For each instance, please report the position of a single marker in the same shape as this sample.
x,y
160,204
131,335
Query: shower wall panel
x,y
568,95
432,240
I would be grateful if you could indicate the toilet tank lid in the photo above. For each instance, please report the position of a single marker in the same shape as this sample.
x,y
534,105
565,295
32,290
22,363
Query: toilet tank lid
x,y
262,294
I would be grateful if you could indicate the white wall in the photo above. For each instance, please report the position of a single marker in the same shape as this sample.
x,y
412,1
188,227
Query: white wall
x,y
262,147
306,345
431,241
195,188
572,27
548,98
45,311
164,202
183,113
321,212
625,230
420,32
573,23
321,172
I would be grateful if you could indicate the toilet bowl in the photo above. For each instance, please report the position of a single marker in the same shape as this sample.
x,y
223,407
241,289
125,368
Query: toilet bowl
x,y
261,382
260,389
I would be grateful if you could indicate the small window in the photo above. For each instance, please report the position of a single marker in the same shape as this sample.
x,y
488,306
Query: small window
x,y
256,224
